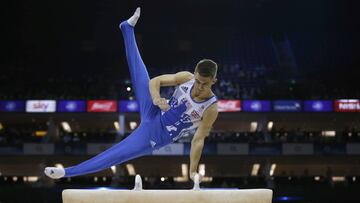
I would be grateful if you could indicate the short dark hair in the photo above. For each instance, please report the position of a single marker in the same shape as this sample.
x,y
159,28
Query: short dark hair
x,y
206,68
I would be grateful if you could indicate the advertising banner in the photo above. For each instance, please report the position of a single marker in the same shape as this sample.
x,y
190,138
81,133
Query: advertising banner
x,y
102,106
318,106
347,105
256,105
71,106
287,105
12,106
40,106
229,105
128,106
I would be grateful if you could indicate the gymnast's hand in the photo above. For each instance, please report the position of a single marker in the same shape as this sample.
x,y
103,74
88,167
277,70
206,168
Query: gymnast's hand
x,y
161,103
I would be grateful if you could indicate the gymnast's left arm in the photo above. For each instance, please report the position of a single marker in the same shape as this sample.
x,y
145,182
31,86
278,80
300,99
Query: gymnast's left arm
x,y
201,133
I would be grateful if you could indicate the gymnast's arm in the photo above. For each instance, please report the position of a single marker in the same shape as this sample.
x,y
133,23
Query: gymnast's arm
x,y
201,133
166,80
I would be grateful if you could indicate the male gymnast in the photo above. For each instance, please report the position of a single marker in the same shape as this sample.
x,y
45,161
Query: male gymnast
x,y
192,107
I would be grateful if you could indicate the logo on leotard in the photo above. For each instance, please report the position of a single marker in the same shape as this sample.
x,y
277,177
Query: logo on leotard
x,y
184,88
173,102
195,114
152,143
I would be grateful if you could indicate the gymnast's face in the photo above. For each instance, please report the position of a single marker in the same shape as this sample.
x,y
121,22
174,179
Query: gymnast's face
x,y
203,84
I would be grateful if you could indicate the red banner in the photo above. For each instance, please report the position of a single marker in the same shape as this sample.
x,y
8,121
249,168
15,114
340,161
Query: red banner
x,y
102,106
347,105
229,105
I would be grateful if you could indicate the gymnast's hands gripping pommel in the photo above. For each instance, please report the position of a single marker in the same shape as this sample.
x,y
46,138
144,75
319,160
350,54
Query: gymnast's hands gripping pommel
x,y
161,103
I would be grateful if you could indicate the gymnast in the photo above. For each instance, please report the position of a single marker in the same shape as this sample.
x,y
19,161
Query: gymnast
x,y
192,108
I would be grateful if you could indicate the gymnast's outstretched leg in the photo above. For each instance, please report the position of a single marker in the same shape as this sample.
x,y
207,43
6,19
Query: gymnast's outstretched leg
x,y
138,72
137,143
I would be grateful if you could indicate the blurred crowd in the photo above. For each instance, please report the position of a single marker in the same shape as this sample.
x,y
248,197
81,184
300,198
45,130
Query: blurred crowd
x,y
234,82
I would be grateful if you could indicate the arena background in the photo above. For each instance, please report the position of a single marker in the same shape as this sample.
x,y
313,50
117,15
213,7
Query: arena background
x,y
288,84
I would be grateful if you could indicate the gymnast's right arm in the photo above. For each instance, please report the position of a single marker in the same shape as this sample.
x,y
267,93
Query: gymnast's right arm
x,y
166,80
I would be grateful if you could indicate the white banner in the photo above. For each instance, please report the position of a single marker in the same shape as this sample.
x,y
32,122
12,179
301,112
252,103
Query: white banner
x,y
40,106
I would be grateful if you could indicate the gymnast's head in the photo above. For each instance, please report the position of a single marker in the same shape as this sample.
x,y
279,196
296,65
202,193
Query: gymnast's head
x,y
205,75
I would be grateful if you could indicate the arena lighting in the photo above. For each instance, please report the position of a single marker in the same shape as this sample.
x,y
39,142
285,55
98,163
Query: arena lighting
x,y
253,126
317,178
15,178
1,126
32,179
270,125
272,169
131,169
113,169
95,179
328,133
117,126
338,178
66,127
288,198
133,125
104,179
255,169
185,174
40,133
354,178
103,188
162,179
128,89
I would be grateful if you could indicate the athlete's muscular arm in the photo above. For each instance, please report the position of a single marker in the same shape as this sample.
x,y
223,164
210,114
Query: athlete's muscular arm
x,y
201,133
166,80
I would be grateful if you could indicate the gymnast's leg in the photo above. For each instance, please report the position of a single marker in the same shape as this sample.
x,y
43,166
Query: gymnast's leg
x,y
138,143
138,72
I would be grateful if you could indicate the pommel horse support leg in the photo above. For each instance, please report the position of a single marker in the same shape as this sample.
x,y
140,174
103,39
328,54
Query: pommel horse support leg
x,y
138,195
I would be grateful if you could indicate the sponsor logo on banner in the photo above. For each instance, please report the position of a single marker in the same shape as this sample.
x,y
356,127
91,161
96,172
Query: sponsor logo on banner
x,y
347,105
102,106
318,106
71,106
229,105
256,105
128,106
40,106
12,106
287,105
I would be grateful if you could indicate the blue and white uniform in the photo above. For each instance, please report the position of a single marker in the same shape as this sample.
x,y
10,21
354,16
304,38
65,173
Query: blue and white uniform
x,y
157,128
185,114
